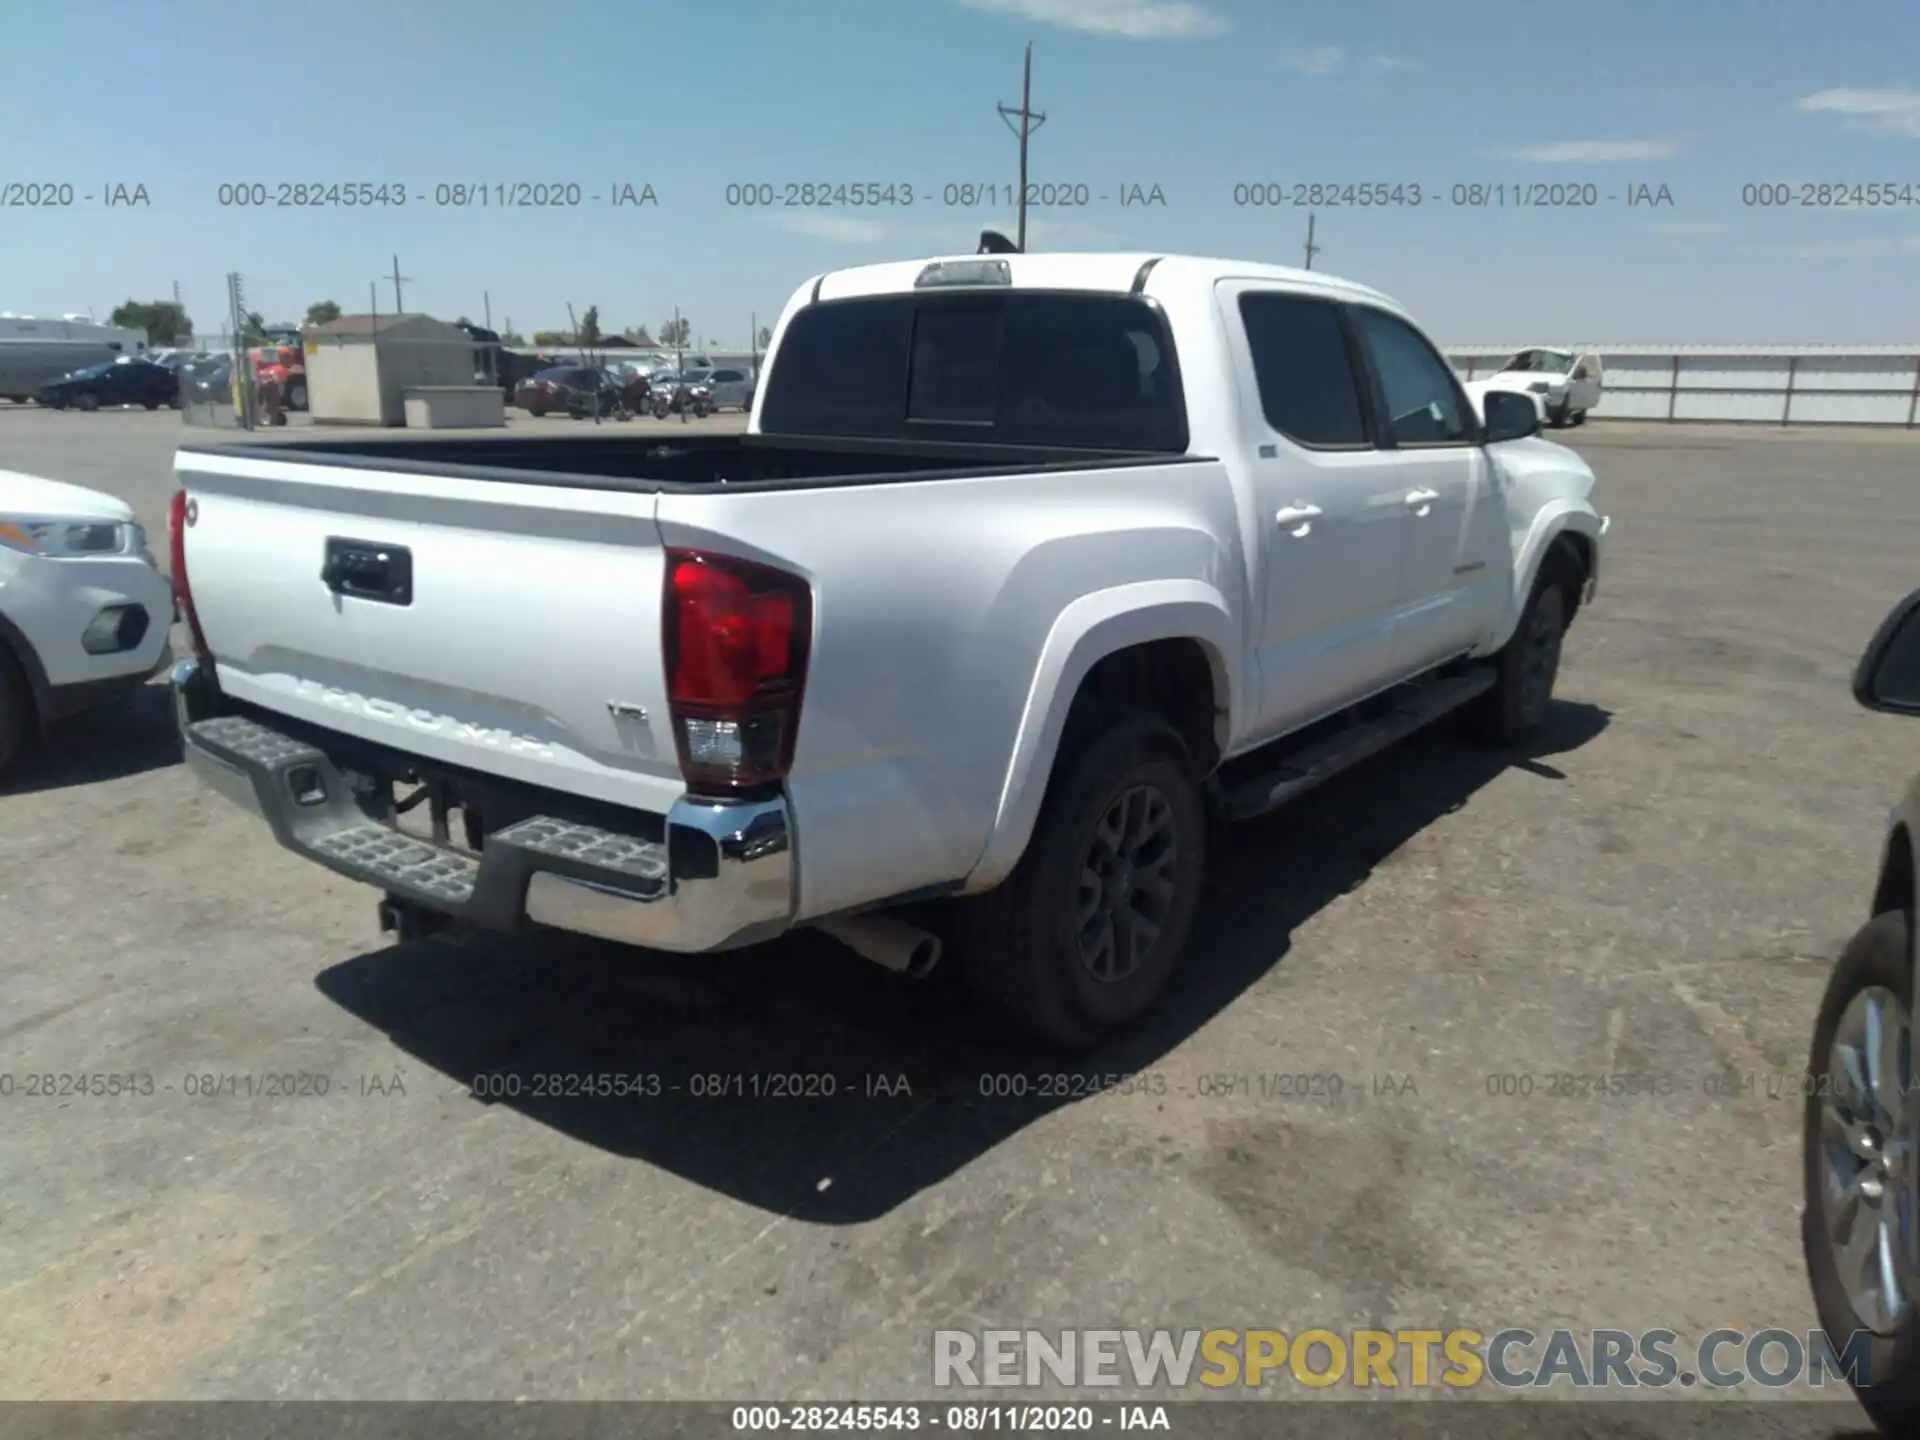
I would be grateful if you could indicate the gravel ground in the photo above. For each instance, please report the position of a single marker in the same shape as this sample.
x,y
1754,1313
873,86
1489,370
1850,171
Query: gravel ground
x,y
1655,892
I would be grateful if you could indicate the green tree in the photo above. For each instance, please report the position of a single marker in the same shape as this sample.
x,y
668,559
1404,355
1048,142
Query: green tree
x,y
256,328
766,337
551,337
165,321
511,336
590,326
676,332
322,312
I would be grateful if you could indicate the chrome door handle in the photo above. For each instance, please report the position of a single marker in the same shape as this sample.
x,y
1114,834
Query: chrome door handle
x,y
1422,497
1299,518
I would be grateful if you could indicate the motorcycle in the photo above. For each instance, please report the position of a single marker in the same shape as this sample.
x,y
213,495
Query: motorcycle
x,y
679,398
606,401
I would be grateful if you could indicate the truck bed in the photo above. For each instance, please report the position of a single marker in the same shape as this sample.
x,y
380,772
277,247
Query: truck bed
x,y
649,462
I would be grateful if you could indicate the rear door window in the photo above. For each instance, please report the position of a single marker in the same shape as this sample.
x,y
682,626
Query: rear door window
x,y
1309,389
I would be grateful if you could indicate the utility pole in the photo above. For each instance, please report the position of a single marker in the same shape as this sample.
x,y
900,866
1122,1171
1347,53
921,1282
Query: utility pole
x,y
1030,121
486,300
373,303
398,307
1311,248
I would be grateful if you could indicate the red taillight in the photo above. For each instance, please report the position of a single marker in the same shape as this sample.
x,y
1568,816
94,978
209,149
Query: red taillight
x,y
736,637
177,522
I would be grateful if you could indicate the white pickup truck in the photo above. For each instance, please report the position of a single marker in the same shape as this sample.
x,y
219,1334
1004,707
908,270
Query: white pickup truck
x,y
1024,564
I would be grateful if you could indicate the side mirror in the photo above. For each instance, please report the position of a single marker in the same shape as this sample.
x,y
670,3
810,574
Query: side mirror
x,y
1510,415
1888,676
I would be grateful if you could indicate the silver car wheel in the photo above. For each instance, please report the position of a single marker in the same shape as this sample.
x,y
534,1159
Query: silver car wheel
x,y
1867,1123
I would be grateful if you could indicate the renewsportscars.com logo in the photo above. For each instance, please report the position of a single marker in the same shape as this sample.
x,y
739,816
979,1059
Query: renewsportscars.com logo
x,y
1512,1359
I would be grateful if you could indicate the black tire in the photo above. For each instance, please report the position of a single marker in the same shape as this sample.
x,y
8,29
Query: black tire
x,y
1578,417
297,395
1528,664
1878,956
1557,416
1018,945
151,404
16,711
86,402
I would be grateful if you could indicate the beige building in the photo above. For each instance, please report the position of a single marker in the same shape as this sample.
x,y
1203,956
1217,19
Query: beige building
x,y
360,367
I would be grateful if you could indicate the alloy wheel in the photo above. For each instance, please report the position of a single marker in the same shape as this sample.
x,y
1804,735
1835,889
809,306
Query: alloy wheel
x,y
1126,885
1867,1156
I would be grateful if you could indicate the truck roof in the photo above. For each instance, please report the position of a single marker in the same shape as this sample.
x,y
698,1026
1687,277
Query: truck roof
x,y
1097,271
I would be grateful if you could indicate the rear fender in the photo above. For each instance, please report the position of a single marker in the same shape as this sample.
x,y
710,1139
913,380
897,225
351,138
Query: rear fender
x,y
1090,629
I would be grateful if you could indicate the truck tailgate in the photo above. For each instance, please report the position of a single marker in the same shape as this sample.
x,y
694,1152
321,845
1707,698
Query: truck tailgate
x,y
525,642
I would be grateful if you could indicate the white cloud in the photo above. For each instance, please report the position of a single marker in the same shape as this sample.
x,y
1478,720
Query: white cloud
x,y
1393,62
1889,112
1128,19
842,229
1595,152
1877,247
1322,60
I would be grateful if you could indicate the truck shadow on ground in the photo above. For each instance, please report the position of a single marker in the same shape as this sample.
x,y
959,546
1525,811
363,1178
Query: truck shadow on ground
x,y
803,1080
127,736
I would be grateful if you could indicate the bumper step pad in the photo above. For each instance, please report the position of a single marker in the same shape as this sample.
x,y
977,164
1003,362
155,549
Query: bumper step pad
x,y
487,888
397,861
644,860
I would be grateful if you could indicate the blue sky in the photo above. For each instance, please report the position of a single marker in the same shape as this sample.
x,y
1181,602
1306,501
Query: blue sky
x,y
1194,96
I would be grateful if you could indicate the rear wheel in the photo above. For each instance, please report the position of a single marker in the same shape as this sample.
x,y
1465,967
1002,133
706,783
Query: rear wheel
x,y
1861,1125
151,404
1083,936
297,395
86,402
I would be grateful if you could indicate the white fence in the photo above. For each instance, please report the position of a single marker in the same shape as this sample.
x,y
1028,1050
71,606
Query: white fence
x,y
1755,384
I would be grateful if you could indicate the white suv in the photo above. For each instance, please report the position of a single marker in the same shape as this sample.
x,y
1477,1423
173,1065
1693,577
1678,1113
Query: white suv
x,y
84,610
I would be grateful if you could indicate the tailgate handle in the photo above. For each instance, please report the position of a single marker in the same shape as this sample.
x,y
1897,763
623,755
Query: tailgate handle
x,y
368,570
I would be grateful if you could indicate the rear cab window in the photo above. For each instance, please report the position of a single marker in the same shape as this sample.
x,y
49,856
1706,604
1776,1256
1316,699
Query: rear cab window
x,y
1010,367
1306,371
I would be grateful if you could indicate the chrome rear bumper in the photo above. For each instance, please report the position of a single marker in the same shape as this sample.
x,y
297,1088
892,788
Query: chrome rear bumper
x,y
709,875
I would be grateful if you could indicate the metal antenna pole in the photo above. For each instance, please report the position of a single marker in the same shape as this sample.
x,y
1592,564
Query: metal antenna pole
x,y
1312,249
1030,121
398,307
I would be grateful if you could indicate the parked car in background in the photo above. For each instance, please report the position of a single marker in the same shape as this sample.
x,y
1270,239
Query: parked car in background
x,y
34,350
128,380
1568,384
516,367
560,389
1861,1098
731,388
84,611
208,379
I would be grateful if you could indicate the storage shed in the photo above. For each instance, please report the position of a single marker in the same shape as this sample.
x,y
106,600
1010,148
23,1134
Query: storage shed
x,y
360,367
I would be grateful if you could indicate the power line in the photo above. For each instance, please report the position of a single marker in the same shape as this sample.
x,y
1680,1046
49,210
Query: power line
x,y
1030,121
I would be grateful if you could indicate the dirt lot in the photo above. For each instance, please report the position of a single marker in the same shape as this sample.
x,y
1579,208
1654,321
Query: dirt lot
x,y
1656,892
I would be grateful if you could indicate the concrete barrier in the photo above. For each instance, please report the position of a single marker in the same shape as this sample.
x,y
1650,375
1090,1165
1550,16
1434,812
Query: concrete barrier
x,y
454,407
